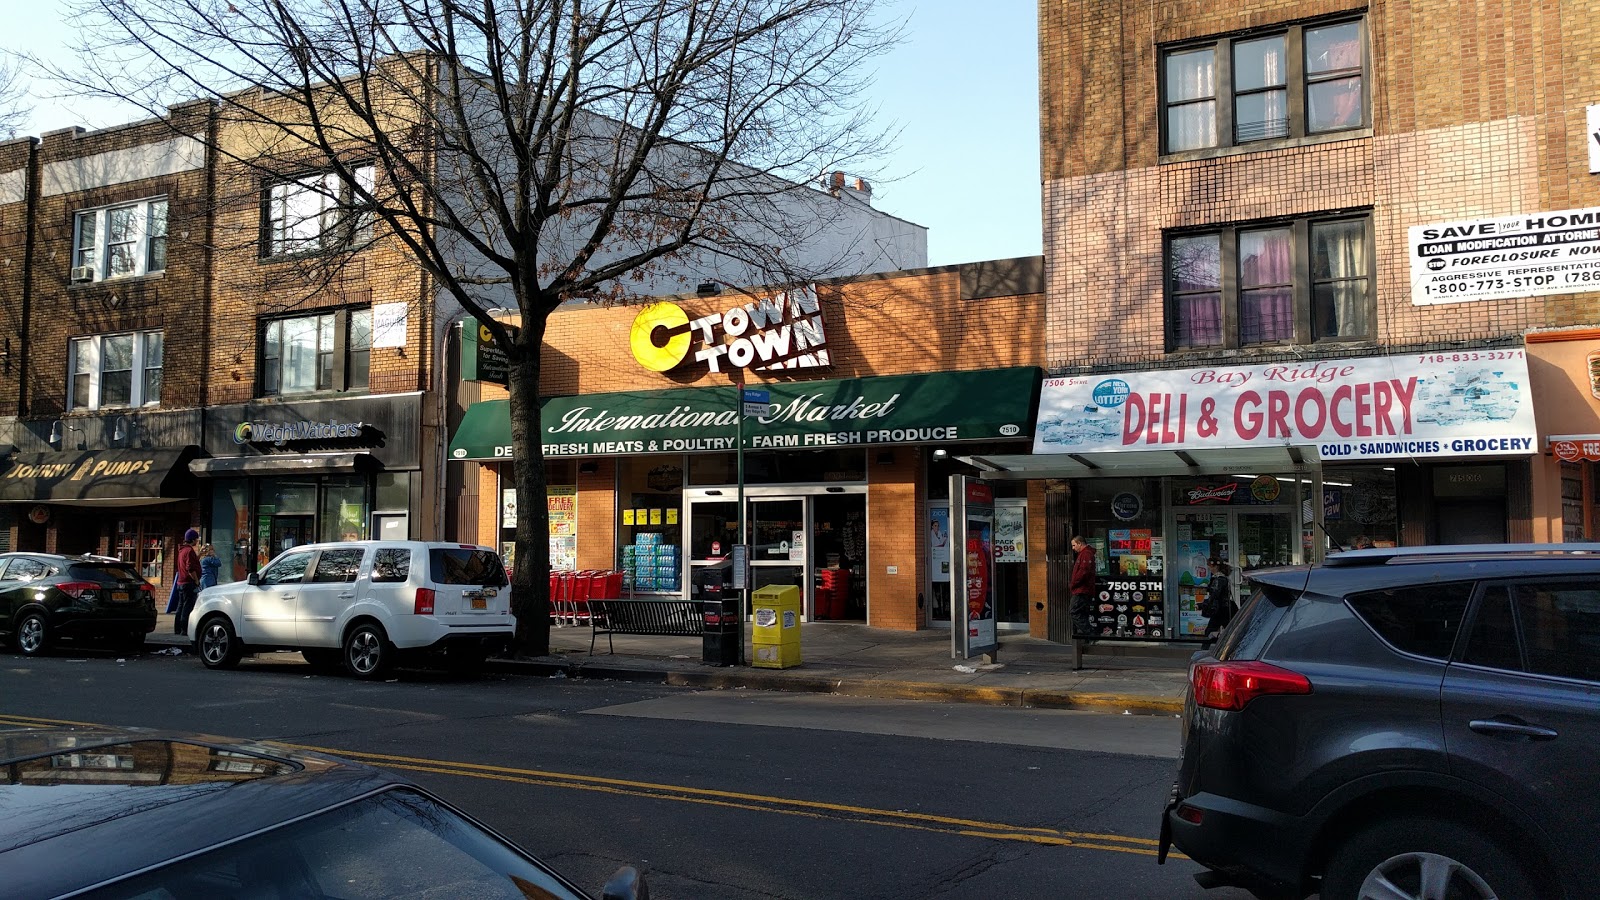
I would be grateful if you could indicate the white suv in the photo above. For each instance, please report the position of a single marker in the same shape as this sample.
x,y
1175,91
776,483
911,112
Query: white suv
x,y
361,603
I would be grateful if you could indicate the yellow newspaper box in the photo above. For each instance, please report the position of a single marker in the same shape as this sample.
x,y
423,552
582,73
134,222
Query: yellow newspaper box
x,y
775,636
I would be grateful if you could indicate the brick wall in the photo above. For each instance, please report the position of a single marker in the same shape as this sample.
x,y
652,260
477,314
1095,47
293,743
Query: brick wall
x,y
1476,109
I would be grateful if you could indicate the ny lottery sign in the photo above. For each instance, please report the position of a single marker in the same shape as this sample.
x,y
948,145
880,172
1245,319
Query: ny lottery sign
x,y
1470,403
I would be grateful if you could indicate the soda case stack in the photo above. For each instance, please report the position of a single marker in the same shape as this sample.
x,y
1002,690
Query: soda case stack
x,y
650,565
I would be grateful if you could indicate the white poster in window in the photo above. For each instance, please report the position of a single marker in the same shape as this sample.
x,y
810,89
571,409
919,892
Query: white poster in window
x,y
508,507
939,542
389,324
797,547
1010,534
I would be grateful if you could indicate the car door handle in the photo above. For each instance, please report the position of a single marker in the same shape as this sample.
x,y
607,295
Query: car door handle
x,y
347,595
1512,729
289,596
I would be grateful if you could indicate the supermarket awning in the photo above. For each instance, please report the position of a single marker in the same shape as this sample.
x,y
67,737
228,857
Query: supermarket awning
x,y
933,408
98,477
1141,463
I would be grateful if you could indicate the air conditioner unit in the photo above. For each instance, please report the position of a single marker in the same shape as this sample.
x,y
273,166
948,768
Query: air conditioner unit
x,y
82,273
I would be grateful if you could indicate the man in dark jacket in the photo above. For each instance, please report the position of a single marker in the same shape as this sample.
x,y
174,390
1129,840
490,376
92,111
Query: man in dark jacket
x,y
1081,585
188,579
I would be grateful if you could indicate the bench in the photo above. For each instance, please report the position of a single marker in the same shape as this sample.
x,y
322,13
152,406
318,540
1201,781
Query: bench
x,y
669,618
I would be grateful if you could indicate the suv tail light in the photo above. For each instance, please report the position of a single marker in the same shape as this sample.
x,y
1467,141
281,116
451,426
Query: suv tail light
x,y
424,603
80,590
1232,685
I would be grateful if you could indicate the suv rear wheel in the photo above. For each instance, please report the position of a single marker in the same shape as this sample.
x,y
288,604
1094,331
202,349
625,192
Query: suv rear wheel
x,y
367,651
1423,859
33,635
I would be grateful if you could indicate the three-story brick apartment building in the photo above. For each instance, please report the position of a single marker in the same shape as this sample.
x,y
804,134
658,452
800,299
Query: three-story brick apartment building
x,y
1316,271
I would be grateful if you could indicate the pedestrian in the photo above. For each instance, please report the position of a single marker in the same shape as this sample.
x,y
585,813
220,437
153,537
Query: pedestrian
x,y
1363,542
1081,586
210,566
1218,605
188,579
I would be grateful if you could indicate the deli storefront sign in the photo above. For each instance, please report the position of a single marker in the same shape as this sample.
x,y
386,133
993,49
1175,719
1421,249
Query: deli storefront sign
x,y
940,407
1472,403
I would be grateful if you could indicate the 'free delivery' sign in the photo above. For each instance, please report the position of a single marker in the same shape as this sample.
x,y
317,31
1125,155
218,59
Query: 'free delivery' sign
x,y
1468,403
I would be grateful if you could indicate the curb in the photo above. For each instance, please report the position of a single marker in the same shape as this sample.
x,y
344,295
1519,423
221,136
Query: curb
x,y
726,679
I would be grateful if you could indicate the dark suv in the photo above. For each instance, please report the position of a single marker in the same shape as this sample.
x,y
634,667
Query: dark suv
x,y
1417,723
44,597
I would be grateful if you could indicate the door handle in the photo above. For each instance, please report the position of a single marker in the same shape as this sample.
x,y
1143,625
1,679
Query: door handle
x,y
290,596
1512,729
347,595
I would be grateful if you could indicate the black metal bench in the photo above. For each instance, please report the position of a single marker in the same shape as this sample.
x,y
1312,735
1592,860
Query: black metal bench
x,y
670,618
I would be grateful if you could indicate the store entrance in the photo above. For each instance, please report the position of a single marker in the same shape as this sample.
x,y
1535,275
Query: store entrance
x,y
1260,537
815,541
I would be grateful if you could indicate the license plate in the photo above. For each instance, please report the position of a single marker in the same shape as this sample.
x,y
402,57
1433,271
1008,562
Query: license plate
x,y
480,603
119,596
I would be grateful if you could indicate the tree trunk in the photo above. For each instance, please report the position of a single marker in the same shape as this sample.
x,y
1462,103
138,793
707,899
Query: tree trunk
x,y
530,584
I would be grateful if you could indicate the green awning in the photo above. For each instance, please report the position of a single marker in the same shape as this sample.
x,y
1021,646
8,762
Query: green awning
x,y
936,408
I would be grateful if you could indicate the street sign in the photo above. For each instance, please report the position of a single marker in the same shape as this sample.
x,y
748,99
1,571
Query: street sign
x,y
756,403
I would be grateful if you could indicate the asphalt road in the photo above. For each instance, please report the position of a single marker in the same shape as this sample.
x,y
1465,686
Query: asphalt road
x,y
721,794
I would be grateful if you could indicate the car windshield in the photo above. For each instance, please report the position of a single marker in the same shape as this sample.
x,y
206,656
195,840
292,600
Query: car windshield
x,y
467,565
397,844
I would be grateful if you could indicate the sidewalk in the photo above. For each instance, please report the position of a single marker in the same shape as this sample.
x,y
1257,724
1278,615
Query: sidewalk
x,y
874,662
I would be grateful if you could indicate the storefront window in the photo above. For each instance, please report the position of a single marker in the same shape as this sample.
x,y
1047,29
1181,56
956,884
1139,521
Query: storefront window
x,y
1121,519
230,528
561,503
1470,504
286,514
1359,501
344,509
650,535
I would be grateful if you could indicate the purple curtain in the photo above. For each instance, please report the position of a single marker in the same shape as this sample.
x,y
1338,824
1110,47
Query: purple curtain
x,y
1266,282
1200,320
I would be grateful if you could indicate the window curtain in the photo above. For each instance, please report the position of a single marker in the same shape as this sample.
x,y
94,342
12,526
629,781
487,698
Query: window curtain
x,y
1196,277
1266,282
1191,103
1339,270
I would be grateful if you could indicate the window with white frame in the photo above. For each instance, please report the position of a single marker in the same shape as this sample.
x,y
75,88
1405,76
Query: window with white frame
x,y
120,241
325,351
1297,82
115,370
317,212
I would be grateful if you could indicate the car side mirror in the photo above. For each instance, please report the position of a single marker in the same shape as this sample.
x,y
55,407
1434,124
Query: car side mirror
x,y
253,578
625,884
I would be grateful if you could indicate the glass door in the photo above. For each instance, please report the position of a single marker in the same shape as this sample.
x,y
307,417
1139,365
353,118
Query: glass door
x,y
1267,538
778,545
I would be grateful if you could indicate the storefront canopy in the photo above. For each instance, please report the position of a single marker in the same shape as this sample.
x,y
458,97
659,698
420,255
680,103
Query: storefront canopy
x,y
98,477
936,408
1143,463
285,464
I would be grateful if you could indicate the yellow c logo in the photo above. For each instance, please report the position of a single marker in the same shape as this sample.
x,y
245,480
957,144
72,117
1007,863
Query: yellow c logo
x,y
642,338
484,335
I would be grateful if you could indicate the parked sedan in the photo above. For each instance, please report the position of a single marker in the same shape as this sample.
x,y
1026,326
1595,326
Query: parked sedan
x,y
117,814
45,597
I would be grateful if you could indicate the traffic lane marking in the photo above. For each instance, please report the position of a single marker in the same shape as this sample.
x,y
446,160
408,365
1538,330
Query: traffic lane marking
x,y
731,799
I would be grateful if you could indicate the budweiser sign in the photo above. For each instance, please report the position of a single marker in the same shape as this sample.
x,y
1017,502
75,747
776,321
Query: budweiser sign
x,y
1222,493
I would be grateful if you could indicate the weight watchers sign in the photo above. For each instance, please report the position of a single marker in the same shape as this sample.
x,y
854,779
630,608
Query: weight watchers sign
x,y
1472,403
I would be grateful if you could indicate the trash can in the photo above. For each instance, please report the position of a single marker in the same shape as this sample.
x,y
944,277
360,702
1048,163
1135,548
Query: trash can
x,y
775,636
720,639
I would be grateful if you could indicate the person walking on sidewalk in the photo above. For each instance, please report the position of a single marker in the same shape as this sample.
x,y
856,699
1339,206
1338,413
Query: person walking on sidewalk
x,y
188,579
1081,585
1218,605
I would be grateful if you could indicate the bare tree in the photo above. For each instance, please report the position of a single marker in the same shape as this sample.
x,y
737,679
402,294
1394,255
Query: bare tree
x,y
14,108
528,152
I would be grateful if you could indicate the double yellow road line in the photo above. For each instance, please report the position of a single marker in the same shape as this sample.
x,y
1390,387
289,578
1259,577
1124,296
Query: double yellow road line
x,y
861,815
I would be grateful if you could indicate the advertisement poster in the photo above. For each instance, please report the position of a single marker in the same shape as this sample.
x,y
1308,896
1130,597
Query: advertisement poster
x,y
508,507
1194,557
1448,403
939,542
973,631
562,504
1010,534
1527,255
1130,608
797,546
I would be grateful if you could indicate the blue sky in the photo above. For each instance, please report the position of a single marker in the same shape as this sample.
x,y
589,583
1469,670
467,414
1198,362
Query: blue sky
x,y
963,87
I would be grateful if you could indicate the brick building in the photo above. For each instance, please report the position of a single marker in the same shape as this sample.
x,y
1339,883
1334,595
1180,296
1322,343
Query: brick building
x,y
102,380
847,477
1282,310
